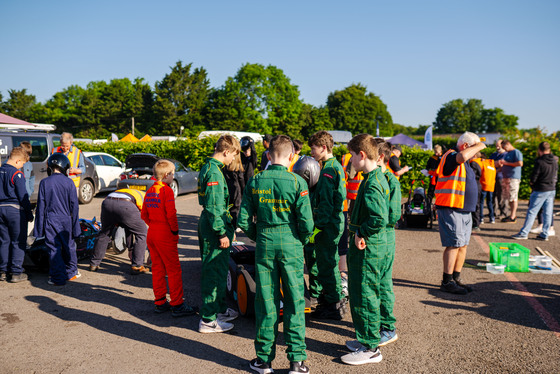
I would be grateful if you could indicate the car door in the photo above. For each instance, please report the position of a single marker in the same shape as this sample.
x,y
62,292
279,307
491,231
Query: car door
x,y
112,169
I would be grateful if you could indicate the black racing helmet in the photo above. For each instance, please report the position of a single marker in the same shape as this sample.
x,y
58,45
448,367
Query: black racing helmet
x,y
308,169
246,143
58,161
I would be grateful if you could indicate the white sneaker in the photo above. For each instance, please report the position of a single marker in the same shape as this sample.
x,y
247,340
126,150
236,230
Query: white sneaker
x,y
537,230
551,232
214,326
363,356
229,315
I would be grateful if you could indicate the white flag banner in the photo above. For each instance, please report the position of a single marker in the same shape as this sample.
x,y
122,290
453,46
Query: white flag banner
x,y
428,138
114,138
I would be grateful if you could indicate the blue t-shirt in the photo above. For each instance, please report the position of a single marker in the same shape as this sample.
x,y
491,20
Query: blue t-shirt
x,y
498,156
511,171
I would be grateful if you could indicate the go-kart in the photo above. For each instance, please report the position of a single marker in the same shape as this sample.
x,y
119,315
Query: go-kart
x,y
241,284
38,253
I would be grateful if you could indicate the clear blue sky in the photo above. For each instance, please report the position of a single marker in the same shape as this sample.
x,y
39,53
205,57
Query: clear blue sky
x,y
415,55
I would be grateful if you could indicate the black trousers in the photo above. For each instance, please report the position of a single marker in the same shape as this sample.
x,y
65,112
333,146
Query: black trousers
x,y
123,213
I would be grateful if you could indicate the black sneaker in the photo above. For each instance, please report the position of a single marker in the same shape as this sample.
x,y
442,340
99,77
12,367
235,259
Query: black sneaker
x,y
2,276
183,310
509,220
298,367
260,366
460,283
541,238
453,287
18,278
162,308
333,311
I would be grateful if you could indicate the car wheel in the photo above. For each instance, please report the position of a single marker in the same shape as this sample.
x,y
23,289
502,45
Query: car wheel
x,y
85,192
246,289
119,240
175,187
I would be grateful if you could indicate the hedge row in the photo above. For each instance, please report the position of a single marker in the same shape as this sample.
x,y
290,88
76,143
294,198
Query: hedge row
x,y
193,152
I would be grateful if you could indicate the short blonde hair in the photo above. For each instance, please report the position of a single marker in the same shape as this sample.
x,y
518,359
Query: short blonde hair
x,y
280,146
162,168
19,153
365,143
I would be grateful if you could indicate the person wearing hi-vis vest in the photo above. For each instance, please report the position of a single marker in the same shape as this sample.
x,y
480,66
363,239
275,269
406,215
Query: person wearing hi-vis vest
x,y
75,156
122,207
394,162
456,199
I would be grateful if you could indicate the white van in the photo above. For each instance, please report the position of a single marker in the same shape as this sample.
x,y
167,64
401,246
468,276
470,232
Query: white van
x,y
238,134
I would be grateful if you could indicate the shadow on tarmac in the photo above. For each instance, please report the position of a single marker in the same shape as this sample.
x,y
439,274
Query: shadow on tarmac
x,y
502,302
135,331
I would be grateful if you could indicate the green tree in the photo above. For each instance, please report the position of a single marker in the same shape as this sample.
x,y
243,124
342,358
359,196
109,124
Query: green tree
x,y
459,115
179,100
19,104
495,120
257,99
354,109
313,119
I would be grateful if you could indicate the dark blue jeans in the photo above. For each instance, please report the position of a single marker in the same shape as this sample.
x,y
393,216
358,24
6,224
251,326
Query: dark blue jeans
x,y
489,204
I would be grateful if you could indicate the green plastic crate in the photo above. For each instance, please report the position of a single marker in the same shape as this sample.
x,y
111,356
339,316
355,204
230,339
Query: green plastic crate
x,y
513,255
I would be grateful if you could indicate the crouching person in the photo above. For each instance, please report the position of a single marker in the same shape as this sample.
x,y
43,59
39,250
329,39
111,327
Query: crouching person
x,y
122,208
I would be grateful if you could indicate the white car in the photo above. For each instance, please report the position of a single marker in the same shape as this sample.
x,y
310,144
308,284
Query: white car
x,y
108,169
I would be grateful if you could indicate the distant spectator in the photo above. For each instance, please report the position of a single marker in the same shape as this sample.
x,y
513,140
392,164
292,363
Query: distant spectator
x,y
499,203
264,159
511,170
298,146
248,158
543,182
487,185
67,148
476,218
394,163
431,166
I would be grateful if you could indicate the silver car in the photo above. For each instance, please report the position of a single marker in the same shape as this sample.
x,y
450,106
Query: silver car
x,y
138,174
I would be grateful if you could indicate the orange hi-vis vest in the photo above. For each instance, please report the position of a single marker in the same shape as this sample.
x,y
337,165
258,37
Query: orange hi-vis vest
x,y
488,175
136,194
391,170
450,190
74,156
352,184
294,160
433,173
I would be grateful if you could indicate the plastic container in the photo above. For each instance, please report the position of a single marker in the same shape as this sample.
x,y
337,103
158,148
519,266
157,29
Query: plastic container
x,y
543,261
513,255
532,261
495,268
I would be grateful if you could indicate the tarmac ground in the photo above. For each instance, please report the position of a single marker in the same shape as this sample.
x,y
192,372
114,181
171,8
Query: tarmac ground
x,y
104,321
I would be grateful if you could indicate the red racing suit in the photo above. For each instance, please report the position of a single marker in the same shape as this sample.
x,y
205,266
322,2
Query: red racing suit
x,y
160,215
